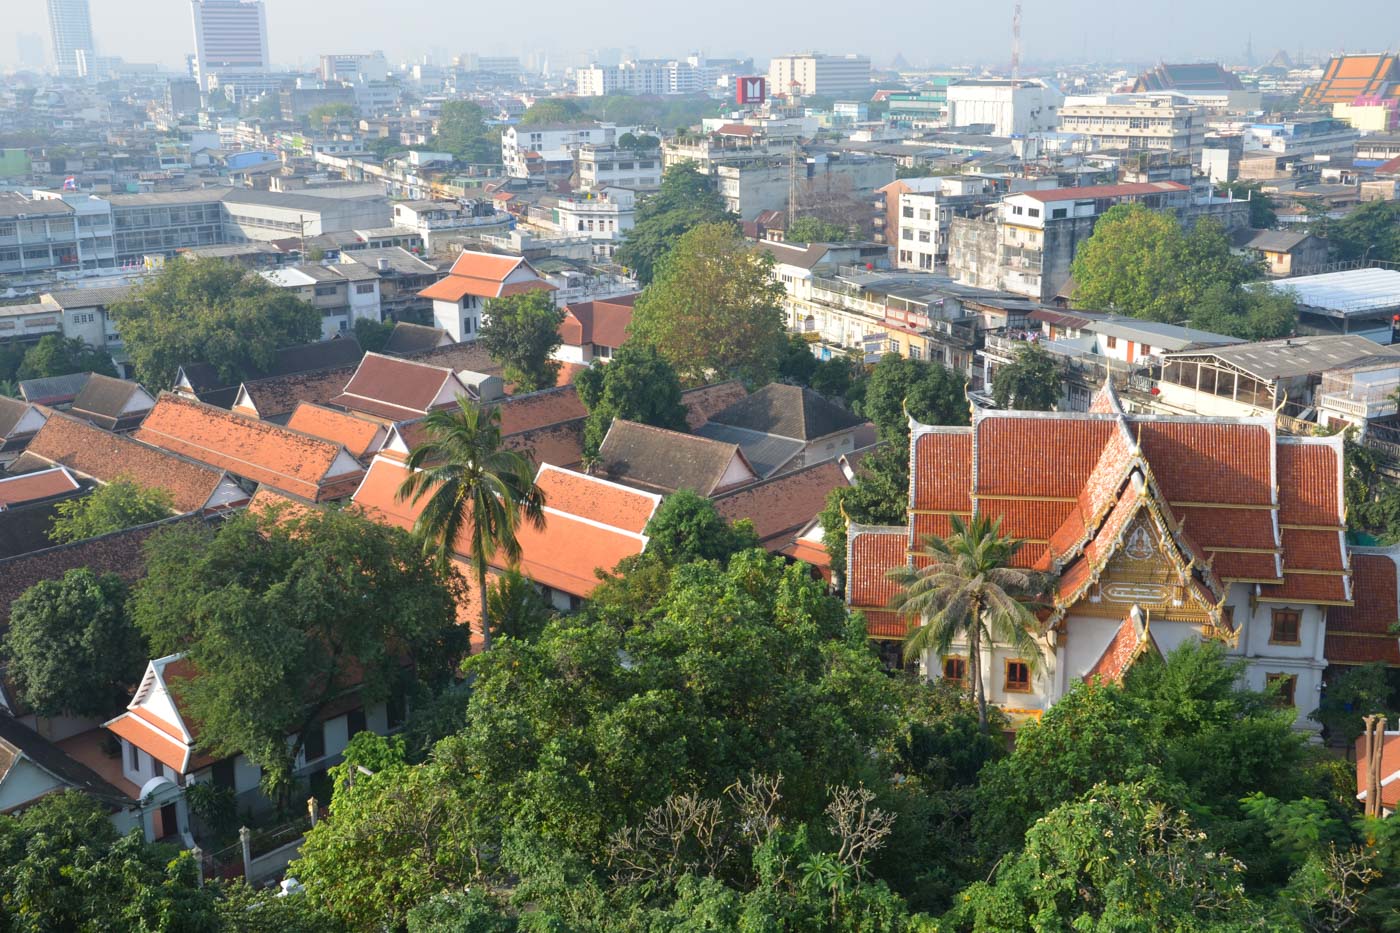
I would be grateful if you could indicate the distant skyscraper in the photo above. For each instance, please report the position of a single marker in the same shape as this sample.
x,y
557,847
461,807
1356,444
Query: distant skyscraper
x,y
230,38
70,25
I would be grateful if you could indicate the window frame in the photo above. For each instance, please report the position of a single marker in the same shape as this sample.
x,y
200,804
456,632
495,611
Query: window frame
x,y
1006,676
1297,617
955,659
1288,696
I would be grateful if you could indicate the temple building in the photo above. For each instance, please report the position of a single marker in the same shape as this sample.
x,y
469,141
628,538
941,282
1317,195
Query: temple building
x,y
1156,530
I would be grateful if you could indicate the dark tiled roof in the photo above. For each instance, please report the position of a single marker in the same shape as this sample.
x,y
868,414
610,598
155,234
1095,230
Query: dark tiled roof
x,y
53,390
781,507
667,460
11,410
788,411
413,338
120,553
276,396
103,400
302,358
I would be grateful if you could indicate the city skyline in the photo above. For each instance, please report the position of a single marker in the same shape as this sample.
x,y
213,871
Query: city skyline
x,y
299,32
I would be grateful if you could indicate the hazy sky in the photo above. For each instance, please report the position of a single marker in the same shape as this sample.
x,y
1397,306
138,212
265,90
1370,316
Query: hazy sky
x,y
938,31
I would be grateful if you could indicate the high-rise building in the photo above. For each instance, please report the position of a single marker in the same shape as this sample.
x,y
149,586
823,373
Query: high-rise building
x,y
230,38
828,75
70,24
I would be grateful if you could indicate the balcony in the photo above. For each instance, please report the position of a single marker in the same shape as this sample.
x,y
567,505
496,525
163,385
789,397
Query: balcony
x,y
1365,406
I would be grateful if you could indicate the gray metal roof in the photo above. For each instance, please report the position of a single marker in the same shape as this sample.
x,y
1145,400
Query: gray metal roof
x,y
766,453
1166,337
1296,356
1342,294
92,297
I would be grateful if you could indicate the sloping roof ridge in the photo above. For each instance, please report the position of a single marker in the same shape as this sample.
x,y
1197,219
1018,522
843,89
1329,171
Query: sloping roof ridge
x,y
401,359
750,487
655,497
918,429
125,437
267,426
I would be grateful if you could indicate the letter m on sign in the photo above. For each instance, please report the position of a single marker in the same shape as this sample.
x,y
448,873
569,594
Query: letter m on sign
x,y
751,90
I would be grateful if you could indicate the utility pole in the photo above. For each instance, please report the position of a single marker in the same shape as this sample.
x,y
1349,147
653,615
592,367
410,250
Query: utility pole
x,y
792,182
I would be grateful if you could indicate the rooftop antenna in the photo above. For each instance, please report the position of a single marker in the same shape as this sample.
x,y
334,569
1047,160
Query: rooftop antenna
x,y
1016,42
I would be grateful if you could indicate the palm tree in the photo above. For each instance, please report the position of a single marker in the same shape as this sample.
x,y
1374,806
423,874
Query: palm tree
x,y
968,589
476,491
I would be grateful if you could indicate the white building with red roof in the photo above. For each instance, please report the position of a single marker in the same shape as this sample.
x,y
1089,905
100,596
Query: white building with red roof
x,y
475,278
1157,531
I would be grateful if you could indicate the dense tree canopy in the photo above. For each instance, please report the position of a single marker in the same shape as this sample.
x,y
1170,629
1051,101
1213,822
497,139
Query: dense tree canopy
x,y
281,611
815,230
372,335
637,384
900,388
122,503
714,311
58,356
553,110
1141,263
71,648
685,200
1371,231
521,332
210,311
1030,382
687,528
462,131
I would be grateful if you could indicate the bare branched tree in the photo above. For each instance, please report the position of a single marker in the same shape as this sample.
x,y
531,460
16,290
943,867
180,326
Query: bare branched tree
x,y
860,828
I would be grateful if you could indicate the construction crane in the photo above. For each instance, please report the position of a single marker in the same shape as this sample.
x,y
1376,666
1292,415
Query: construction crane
x,y
1016,42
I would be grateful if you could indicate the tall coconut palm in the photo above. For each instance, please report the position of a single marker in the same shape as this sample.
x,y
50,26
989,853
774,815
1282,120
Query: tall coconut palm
x,y
477,492
968,589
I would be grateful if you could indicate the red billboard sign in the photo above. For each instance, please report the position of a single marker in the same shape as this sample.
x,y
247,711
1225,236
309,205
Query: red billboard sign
x,y
751,90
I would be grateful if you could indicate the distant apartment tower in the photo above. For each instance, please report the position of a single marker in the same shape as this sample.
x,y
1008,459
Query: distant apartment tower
x,y
230,38
645,76
1012,107
1168,122
350,68
828,75
70,24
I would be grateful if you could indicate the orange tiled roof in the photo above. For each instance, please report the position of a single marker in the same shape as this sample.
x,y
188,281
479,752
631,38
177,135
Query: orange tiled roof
x,y
1348,77
140,732
1127,645
1360,633
297,463
782,506
30,486
483,275
871,554
104,456
356,435
590,524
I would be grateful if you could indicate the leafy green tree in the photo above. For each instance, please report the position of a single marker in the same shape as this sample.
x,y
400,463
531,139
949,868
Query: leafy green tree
x,y
714,310
325,114
517,608
268,107
63,867
687,528
637,384
211,311
1371,231
71,649
1263,214
56,356
815,230
11,358
638,143
475,494
122,503
392,840
684,201
880,496
1140,262
281,612
372,335
1120,858
798,364
1030,382
928,392
1353,693
522,333
968,589
715,675
553,110
462,131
